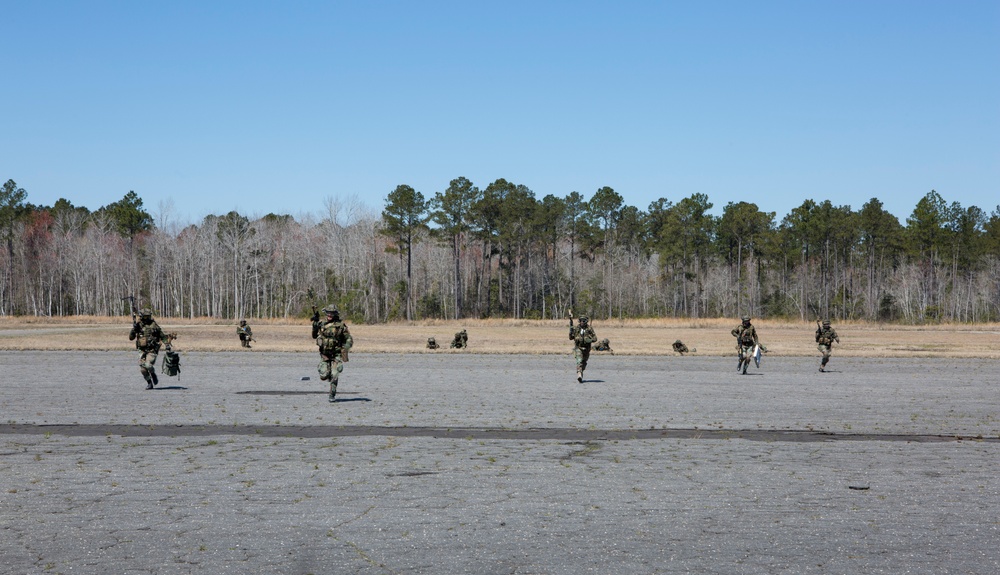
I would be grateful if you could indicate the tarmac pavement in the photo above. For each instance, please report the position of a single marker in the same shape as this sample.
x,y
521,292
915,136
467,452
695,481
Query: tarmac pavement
x,y
446,463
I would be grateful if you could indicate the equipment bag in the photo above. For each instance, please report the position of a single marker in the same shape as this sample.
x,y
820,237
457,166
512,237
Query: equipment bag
x,y
171,363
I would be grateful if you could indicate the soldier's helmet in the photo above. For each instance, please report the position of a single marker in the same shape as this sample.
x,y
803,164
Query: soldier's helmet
x,y
584,319
678,342
243,322
145,312
431,340
826,323
463,331
331,311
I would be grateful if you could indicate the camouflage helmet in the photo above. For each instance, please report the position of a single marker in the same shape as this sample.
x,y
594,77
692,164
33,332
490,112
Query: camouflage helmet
x,y
746,319
331,310
145,312
677,342
826,322
243,322
584,319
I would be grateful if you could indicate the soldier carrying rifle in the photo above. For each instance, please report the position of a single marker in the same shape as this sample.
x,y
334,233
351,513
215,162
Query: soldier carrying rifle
x,y
825,336
147,335
583,337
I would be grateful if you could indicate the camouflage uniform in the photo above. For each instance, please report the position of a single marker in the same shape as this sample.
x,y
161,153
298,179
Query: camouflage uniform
x,y
334,341
461,340
680,348
432,343
825,336
245,333
604,345
147,336
583,337
746,339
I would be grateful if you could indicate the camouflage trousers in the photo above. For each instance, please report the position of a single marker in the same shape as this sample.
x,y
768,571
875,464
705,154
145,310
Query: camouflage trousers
x,y
331,365
745,352
826,349
581,355
147,363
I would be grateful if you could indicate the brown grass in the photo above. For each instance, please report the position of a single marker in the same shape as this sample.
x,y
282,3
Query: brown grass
x,y
628,337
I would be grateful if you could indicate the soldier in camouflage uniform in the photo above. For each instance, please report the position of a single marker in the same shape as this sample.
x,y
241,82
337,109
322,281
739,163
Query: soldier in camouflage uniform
x,y
432,343
461,340
245,333
825,336
583,337
147,336
334,341
604,345
680,348
746,339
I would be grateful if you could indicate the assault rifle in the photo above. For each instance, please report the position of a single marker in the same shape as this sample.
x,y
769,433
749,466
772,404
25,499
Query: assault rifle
x,y
131,299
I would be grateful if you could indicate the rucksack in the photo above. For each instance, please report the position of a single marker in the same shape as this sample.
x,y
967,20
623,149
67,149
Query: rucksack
x,y
171,363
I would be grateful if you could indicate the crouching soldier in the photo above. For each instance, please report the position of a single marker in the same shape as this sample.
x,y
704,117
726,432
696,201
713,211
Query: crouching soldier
x,y
147,336
604,345
461,340
680,348
334,341
245,333
432,343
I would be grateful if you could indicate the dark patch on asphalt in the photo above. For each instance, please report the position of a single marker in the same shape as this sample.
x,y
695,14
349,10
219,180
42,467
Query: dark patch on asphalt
x,y
292,392
522,434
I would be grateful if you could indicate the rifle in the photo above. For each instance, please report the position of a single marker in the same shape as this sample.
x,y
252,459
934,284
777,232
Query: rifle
x,y
570,312
131,299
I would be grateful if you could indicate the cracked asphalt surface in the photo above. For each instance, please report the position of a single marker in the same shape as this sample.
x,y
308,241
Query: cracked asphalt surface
x,y
494,464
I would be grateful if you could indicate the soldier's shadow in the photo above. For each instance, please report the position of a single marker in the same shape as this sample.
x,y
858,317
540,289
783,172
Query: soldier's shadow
x,y
169,388
592,381
346,399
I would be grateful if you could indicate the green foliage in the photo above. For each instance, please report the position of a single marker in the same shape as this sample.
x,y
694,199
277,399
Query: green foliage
x,y
12,207
925,226
405,213
127,216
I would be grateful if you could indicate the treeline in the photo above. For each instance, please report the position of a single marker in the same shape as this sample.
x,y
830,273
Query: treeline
x,y
502,252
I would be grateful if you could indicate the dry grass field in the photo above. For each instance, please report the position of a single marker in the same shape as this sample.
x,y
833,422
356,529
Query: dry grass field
x,y
630,337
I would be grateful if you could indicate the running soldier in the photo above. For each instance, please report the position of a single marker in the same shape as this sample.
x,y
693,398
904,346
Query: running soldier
x,y
825,336
746,340
583,337
147,336
334,341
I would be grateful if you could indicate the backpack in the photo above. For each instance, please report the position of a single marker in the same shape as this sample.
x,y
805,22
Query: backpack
x,y
171,363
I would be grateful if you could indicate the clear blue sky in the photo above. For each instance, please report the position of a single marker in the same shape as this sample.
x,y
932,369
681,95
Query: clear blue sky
x,y
274,106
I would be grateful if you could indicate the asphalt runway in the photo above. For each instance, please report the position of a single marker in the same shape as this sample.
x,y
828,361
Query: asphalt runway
x,y
498,464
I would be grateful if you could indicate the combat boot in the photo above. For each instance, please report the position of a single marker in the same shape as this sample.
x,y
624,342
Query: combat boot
x,y
333,392
579,376
149,383
152,374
